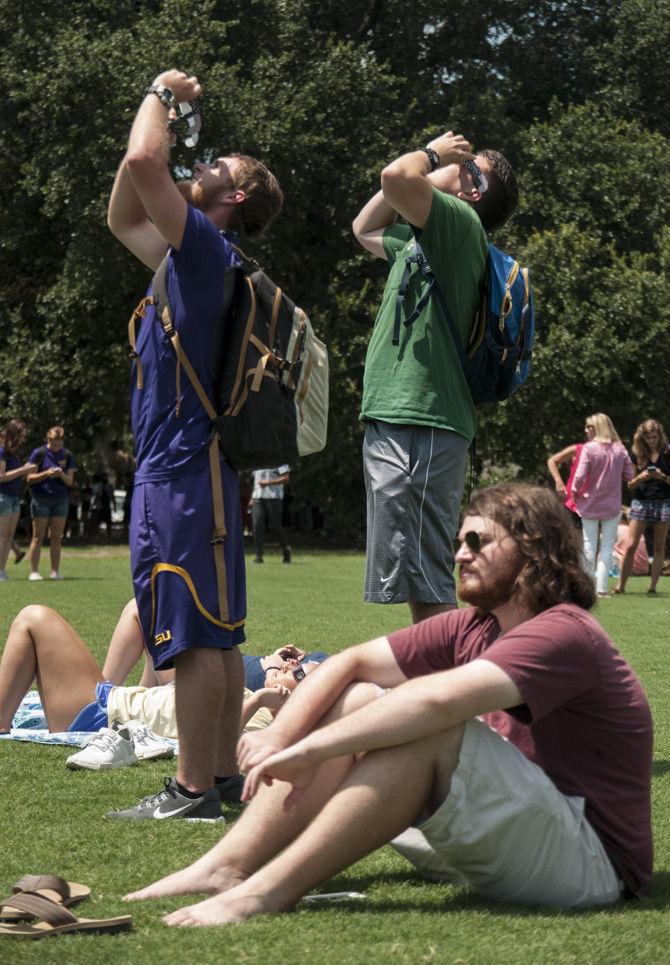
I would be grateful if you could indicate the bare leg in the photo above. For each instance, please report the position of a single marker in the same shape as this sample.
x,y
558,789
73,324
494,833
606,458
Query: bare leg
x,y
422,611
266,827
7,527
660,536
384,792
42,645
201,691
125,647
228,731
635,530
40,524
56,530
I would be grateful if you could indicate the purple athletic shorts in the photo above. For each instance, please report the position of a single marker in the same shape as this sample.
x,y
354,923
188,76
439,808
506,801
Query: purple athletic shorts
x,y
172,559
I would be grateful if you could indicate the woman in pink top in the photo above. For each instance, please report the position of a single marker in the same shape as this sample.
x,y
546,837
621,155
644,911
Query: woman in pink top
x,y
596,490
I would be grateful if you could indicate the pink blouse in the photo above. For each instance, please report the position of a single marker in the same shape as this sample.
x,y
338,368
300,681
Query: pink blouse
x,y
596,486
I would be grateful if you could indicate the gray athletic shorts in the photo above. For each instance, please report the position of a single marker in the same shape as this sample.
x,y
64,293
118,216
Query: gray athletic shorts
x,y
414,477
507,831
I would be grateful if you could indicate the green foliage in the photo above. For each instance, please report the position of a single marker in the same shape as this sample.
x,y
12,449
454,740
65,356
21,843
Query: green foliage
x,y
326,92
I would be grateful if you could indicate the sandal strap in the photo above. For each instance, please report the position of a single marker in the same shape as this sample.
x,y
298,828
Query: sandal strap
x,y
43,908
39,882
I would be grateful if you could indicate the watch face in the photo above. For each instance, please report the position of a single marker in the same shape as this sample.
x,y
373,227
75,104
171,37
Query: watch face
x,y
165,94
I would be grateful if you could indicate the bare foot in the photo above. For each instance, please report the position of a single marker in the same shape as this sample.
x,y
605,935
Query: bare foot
x,y
221,910
193,880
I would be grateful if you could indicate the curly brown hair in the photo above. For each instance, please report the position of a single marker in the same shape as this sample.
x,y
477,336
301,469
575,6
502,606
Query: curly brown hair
x,y
641,448
11,436
552,570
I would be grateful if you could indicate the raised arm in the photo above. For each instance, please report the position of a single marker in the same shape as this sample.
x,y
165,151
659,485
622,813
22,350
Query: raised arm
x,y
369,224
146,211
406,185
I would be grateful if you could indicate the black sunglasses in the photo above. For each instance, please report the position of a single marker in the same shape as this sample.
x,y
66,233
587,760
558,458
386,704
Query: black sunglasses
x,y
298,672
471,540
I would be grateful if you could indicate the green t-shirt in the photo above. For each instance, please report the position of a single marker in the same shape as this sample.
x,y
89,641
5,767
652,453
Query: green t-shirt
x,y
420,381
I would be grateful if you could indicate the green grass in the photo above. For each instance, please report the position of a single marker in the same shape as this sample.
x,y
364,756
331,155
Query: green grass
x,y
51,820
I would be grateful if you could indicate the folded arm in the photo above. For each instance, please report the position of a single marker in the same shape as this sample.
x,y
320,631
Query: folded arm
x,y
371,662
417,709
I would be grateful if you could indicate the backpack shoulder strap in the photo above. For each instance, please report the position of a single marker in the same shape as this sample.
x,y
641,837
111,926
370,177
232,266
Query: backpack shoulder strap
x,y
450,322
219,532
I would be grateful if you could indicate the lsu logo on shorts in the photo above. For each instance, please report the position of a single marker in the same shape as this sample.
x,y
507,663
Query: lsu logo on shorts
x,y
163,637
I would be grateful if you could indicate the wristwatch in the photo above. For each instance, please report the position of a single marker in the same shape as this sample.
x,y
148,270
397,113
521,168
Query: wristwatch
x,y
433,157
163,93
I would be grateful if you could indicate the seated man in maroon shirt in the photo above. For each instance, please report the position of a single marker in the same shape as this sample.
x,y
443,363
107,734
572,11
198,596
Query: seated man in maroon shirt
x,y
511,749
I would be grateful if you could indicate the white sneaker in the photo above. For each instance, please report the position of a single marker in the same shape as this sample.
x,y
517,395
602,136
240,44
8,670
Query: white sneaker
x,y
148,746
55,575
35,576
106,750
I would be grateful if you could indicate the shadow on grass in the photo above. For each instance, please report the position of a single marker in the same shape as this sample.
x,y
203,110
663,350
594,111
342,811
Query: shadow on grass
x,y
461,899
660,767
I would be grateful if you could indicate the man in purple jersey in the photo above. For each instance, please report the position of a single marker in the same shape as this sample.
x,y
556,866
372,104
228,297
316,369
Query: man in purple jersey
x,y
188,580
511,750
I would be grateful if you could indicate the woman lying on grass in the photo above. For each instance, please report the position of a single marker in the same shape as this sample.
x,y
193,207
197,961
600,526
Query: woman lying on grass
x,y
78,696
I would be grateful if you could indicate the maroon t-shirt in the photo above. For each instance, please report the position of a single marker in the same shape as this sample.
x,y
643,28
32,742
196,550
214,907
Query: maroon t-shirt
x,y
585,719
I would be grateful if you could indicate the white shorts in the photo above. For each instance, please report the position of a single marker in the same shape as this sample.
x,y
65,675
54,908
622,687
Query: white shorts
x,y
509,833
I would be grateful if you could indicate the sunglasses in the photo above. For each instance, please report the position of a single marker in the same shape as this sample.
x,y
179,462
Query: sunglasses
x,y
471,540
477,174
298,672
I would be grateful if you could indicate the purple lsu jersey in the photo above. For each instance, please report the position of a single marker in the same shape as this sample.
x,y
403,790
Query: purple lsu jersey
x,y
52,460
174,574
14,486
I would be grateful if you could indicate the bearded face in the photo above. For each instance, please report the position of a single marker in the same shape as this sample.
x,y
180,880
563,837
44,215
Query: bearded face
x,y
487,578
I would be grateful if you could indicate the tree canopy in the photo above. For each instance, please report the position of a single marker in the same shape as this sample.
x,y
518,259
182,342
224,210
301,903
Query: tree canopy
x,y
326,93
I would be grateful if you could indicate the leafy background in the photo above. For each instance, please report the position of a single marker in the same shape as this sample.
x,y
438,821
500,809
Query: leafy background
x,y
575,93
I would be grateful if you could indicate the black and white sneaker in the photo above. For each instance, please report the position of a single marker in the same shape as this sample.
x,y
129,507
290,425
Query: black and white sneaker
x,y
171,803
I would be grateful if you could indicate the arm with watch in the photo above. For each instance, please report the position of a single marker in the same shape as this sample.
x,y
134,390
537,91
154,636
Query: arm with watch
x,y
405,182
407,190
146,210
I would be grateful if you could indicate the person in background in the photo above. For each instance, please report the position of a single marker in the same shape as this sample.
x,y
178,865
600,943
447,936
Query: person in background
x,y
50,502
650,504
596,488
12,473
641,558
267,507
570,454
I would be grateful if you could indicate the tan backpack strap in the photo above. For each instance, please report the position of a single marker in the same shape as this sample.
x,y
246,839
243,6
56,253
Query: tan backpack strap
x,y
182,359
275,315
219,534
132,336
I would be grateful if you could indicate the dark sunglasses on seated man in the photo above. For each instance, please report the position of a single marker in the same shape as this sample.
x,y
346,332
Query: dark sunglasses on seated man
x,y
471,540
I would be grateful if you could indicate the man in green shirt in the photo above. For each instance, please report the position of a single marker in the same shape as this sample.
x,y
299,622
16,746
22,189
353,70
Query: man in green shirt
x,y
419,414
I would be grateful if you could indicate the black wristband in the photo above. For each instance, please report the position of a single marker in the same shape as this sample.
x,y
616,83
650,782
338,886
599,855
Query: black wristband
x,y
432,156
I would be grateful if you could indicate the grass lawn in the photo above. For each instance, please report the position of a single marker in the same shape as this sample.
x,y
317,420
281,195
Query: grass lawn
x,y
52,820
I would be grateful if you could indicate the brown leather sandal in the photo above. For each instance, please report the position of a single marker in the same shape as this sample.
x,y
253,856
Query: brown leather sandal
x,y
52,887
54,919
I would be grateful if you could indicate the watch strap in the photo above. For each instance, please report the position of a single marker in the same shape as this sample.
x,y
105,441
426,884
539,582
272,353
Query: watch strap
x,y
432,156
163,93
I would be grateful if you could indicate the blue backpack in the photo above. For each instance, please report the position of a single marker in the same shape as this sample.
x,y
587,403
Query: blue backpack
x,y
497,359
